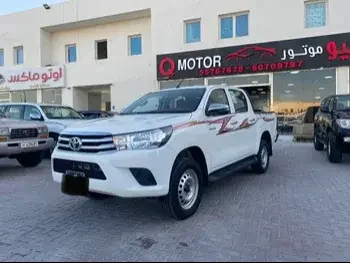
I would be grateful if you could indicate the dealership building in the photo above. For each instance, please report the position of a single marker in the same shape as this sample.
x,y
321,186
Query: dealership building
x,y
102,54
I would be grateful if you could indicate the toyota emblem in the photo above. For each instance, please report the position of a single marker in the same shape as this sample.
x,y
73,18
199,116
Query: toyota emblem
x,y
75,144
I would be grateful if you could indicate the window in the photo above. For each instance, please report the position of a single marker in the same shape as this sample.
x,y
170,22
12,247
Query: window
x,y
30,110
2,58
60,112
167,101
227,25
193,31
239,101
52,96
342,102
135,45
242,25
331,104
101,50
71,53
15,112
217,96
315,14
19,56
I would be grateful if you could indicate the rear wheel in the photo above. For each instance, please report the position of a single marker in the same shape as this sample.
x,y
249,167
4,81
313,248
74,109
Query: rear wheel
x,y
334,153
185,191
317,144
261,166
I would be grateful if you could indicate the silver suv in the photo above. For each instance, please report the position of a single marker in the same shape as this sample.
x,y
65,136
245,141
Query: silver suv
x,y
56,117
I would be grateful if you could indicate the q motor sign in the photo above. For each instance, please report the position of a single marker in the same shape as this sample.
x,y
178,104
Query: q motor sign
x,y
297,54
32,78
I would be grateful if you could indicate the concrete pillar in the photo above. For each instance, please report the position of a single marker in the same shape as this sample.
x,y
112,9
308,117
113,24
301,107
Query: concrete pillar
x,y
67,96
342,80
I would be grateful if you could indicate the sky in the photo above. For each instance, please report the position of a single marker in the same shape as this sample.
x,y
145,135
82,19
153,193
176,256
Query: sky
x,y
11,6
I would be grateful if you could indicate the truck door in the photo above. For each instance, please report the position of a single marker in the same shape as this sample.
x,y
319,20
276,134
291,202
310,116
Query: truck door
x,y
245,135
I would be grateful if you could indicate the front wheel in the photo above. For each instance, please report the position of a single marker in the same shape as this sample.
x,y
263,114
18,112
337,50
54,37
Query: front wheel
x,y
317,144
185,191
334,153
30,159
261,166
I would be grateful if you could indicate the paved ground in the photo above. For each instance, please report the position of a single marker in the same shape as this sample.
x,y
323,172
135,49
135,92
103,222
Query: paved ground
x,y
300,210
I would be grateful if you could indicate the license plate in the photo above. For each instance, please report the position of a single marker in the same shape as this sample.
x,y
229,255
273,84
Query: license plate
x,y
73,185
29,144
75,174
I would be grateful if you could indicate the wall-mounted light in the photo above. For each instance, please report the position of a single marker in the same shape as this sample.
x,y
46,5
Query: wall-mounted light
x,y
46,6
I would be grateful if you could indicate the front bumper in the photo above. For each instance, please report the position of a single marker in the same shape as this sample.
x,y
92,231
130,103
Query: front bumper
x,y
115,173
13,147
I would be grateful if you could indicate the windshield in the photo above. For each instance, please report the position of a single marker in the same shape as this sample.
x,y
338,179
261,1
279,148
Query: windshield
x,y
343,103
168,101
59,112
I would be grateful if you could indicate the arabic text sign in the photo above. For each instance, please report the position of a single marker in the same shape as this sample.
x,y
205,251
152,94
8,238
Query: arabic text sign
x,y
32,78
296,54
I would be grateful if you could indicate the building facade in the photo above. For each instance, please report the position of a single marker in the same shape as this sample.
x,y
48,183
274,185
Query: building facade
x,y
91,54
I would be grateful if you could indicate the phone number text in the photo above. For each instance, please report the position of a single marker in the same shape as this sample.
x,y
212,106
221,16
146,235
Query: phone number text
x,y
253,68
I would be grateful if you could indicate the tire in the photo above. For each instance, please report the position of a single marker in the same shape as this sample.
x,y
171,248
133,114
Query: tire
x,y
30,159
262,165
319,146
334,153
97,196
187,177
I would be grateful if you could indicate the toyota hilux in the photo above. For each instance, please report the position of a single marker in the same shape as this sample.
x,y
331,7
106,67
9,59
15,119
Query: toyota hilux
x,y
167,144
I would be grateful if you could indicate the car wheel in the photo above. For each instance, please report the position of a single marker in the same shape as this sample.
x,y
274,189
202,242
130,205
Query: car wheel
x,y
30,159
262,165
185,191
334,153
317,144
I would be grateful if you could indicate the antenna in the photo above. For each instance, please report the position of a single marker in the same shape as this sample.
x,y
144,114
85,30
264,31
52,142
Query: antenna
x,y
178,85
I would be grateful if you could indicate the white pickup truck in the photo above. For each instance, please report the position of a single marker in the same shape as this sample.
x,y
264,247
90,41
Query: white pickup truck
x,y
167,144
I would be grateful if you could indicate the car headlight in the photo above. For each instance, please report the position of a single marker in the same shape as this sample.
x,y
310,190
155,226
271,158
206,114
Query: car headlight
x,y
143,140
42,130
345,124
4,131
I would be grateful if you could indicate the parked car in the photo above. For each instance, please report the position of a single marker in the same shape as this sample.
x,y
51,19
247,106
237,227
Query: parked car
x,y
23,141
56,117
95,114
332,127
167,144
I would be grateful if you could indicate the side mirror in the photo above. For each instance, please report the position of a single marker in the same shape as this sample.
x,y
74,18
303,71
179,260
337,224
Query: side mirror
x,y
216,109
35,117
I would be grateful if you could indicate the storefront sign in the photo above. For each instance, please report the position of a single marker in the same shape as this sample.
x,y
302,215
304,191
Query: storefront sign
x,y
32,78
306,53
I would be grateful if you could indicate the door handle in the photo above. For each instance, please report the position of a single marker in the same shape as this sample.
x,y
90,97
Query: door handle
x,y
234,122
212,128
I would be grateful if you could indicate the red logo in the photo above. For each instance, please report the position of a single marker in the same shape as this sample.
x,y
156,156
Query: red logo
x,y
334,53
167,67
247,52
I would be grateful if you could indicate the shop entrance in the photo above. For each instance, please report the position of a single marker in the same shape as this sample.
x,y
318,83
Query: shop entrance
x,y
260,96
92,98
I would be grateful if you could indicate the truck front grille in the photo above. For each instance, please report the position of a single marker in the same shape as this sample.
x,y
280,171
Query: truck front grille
x,y
86,143
23,133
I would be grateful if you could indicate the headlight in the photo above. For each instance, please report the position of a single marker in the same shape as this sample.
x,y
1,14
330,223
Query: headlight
x,y
345,124
43,130
143,140
4,131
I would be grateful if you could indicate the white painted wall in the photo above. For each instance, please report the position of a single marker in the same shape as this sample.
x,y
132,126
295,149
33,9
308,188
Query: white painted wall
x,y
45,33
